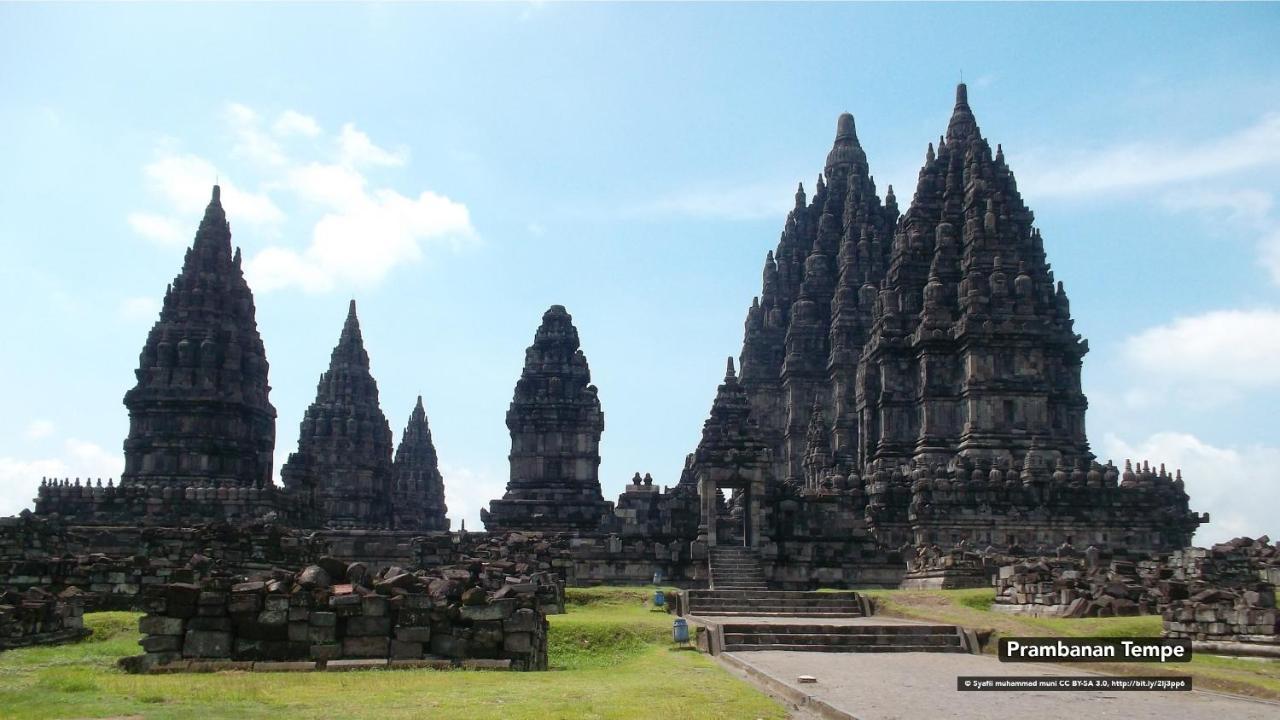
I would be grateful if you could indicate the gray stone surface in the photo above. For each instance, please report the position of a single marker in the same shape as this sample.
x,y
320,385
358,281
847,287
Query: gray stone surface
x,y
889,686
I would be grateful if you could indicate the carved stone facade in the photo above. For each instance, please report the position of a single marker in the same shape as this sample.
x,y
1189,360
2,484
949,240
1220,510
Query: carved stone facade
x,y
199,413
555,422
342,467
417,487
928,363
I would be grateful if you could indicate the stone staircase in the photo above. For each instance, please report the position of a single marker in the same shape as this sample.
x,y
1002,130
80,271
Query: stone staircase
x,y
742,637
741,614
736,568
775,603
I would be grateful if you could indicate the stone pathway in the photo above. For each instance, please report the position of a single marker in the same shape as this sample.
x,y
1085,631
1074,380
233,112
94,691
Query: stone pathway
x,y
923,685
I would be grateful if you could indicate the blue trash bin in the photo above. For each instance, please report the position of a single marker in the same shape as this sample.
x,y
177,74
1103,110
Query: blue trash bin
x,y
659,599
680,630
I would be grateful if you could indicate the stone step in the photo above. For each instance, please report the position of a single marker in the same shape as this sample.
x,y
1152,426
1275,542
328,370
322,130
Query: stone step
x,y
764,613
841,630
843,640
842,648
847,596
791,602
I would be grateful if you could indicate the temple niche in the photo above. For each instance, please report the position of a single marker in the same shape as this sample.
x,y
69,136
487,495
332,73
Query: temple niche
x,y
417,487
555,422
199,412
343,468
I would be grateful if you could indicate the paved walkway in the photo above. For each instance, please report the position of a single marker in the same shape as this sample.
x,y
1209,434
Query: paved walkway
x,y
881,686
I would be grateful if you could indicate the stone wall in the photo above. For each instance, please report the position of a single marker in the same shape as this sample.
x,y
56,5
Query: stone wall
x,y
1080,587
334,612
36,617
1232,590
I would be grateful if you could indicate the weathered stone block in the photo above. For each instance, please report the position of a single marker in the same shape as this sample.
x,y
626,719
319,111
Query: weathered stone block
x,y
365,647
496,610
323,619
522,620
204,644
368,626
518,642
161,625
401,649
418,634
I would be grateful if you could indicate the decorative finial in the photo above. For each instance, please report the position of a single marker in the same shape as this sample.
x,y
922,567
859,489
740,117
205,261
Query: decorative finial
x,y
729,373
845,128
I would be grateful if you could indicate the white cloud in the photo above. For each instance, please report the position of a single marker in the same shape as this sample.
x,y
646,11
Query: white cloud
x,y
361,242
1245,206
185,181
1238,487
1205,358
1138,165
360,231
38,429
139,309
158,228
356,148
1245,211
743,202
292,122
467,490
20,478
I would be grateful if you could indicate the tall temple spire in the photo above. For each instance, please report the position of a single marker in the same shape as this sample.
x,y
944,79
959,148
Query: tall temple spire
x,y
555,422
343,462
417,487
200,410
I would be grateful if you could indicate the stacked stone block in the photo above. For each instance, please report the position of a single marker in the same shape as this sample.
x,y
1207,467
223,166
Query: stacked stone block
x,y
335,612
1232,593
36,617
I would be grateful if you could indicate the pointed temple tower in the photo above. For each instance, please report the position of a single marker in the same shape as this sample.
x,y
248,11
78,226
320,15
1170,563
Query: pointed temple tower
x,y
342,467
199,413
555,423
805,332
927,364
732,455
417,500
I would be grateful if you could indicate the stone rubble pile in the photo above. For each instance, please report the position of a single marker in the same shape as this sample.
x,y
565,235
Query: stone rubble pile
x,y
1072,587
335,615
36,617
1232,590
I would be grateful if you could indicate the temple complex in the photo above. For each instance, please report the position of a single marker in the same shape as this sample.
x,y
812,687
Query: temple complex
x,y
555,423
908,390
417,498
342,468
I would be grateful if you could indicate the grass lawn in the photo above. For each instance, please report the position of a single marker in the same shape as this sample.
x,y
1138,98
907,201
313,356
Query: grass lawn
x,y
972,608
611,657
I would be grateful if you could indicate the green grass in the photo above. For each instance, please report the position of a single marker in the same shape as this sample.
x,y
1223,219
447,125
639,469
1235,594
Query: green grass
x,y
610,654
972,609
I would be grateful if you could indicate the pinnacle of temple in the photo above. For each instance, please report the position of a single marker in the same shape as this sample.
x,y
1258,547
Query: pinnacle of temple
x,y
555,422
730,435
343,463
199,413
417,487
972,349
805,331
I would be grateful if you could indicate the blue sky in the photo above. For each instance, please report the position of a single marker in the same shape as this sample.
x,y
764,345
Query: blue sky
x,y
457,169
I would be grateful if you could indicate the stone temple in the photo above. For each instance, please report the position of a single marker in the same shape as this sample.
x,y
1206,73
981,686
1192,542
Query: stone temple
x,y
555,422
343,464
909,381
